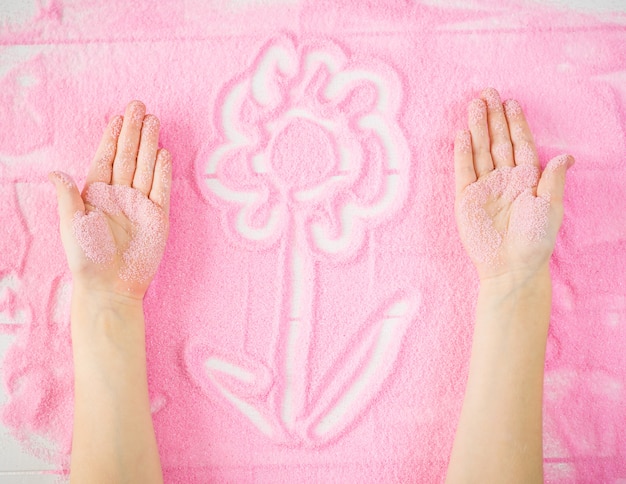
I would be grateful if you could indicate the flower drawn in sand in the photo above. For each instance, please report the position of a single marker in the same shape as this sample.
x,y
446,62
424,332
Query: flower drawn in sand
x,y
14,310
24,107
311,157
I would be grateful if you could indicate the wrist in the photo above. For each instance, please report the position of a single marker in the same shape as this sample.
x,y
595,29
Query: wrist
x,y
517,298
103,317
518,279
85,294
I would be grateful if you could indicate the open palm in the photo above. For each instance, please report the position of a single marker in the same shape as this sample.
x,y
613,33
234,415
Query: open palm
x,y
114,233
507,211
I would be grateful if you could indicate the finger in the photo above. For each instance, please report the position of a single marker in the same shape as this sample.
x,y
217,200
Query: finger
x,y
463,162
524,151
147,154
477,113
501,147
102,163
128,143
69,200
162,181
552,183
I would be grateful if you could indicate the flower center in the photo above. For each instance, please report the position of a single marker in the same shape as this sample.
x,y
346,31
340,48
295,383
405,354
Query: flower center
x,y
302,154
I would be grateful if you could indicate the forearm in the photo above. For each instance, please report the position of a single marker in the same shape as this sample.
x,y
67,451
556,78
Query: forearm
x,y
499,437
113,438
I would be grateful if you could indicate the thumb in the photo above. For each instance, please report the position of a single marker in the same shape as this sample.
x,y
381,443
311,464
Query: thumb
x,y
68,196
552,183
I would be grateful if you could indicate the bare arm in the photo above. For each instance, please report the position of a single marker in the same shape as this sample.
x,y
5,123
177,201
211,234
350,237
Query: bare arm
x,y
509,214
499,434
113,438
114,235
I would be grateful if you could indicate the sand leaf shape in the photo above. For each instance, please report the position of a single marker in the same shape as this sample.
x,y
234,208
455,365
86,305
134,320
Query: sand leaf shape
x,y
358,377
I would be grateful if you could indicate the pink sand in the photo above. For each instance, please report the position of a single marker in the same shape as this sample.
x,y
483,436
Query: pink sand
x,y
312,317
138,251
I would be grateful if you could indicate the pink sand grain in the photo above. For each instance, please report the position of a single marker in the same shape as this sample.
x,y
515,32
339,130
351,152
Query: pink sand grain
x,y
524,153
481,237
517,132
502,151
165,164
116,126
476,111
63,178
512,109
149,230
558,162
150,126
492,98
520,178
529,220
137,113
514,185
499,127
464,143
93,234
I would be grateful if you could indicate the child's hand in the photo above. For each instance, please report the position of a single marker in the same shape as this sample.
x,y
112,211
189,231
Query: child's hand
x,y
508,215
114,233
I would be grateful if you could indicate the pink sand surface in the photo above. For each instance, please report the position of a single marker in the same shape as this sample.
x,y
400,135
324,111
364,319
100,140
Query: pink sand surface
x,y
312,316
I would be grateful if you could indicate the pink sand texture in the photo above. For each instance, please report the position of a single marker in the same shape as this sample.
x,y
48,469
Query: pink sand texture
x,y
144,221
528,217
311,320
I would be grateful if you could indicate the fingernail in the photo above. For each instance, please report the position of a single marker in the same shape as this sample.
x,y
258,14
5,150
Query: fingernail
x,y
570,161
